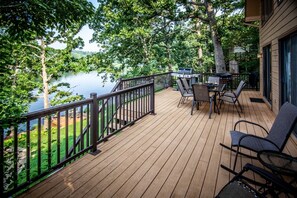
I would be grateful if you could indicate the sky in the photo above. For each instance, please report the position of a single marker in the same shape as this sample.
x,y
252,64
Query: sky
x,y
86,34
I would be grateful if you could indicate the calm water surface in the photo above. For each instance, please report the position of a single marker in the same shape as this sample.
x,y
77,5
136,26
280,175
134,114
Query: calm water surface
x,y
81,84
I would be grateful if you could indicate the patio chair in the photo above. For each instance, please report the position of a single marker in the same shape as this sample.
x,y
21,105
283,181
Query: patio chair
x,y
276,139
242,186
214,79
186,85
183,92
232,97
201,94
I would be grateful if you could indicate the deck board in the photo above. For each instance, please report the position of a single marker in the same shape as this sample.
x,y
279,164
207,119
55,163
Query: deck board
x,y
170,154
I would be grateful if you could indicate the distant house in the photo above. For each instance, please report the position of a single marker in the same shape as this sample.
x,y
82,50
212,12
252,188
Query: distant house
x,y
278,49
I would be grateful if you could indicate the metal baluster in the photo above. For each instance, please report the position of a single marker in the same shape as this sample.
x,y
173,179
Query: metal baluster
x,y
39,147
88,125
81,128
74,130
66,134
58,138
49,144
102,119
28,152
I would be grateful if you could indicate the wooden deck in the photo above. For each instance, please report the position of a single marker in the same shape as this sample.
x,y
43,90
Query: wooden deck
x,y
168,154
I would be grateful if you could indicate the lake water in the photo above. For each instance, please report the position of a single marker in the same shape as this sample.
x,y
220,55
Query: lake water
x,y
81,84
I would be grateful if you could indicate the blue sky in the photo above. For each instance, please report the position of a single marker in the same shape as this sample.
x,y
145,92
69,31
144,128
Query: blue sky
x,y
85,34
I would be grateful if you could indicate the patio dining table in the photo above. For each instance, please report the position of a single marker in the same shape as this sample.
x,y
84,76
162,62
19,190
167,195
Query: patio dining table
x,y
216,89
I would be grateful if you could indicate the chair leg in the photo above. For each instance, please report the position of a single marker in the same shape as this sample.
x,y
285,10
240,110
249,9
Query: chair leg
x,y
235,160
210,108
179,101
237,109
193,104
239,105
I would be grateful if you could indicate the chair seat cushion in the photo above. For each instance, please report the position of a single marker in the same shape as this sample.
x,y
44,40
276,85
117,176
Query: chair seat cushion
x,y
251,142
229,94
227,99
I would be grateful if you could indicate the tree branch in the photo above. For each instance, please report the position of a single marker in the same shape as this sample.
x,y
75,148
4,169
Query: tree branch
x,y
33,46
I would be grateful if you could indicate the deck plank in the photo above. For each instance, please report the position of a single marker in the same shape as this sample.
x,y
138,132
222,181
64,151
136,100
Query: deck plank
x,y
170,154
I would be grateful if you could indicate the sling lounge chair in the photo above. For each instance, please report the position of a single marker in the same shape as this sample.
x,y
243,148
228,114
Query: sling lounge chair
x,y
183,92
232,97
275,140
201,94
186,86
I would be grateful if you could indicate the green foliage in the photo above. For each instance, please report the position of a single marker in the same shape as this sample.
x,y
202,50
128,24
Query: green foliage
x,y
25,28
28,19
63,94
140,38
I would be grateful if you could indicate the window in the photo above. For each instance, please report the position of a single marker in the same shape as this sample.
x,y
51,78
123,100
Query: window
x,y
288,70
267,10
267,73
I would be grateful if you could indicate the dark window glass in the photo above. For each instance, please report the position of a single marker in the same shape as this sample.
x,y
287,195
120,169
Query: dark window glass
x,y
267,10
288,77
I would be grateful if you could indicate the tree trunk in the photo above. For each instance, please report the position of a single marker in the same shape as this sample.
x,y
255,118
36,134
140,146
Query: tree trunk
x,y
44,77
219,55
199,52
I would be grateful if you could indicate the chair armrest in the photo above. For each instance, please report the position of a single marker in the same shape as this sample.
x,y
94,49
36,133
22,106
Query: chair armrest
x,y
253,123
257,137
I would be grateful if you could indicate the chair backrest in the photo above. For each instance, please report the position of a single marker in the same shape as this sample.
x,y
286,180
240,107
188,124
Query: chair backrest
x,y
200,92
180,87
283,125
214,79
239,88
185,83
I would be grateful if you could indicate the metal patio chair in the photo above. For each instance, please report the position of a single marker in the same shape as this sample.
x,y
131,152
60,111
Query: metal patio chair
x,y
183,92
244,187
214,79
186,86
232,97
201,94
275,140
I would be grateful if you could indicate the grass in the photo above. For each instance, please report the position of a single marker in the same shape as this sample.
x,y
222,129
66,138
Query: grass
x,y
45,154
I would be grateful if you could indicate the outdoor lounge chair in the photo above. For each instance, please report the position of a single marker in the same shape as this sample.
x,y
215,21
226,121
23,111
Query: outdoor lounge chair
x,y
232,97
201,94
183,92
276,139
214,79
242,186
186,85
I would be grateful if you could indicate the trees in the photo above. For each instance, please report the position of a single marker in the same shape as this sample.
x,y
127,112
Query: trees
x,y
136,33
30,26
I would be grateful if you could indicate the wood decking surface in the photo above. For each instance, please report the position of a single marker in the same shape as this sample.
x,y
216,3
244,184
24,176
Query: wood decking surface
x,y
168,154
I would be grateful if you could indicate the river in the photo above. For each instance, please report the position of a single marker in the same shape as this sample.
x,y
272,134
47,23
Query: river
x,y
81,84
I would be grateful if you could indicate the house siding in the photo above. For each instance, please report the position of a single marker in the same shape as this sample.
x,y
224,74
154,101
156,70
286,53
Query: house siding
x,y
282,22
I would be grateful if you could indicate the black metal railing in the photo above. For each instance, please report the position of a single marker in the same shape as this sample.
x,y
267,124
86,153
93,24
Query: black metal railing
x,y
46,140
235,80
162,81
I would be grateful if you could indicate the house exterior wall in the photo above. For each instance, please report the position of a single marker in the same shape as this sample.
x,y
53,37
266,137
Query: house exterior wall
x,y
281,23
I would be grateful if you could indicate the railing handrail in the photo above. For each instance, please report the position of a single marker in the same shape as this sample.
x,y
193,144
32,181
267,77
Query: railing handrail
x,y
77,127
139,77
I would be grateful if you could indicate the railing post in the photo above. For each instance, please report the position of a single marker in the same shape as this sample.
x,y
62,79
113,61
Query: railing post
x,y
94,122
153,98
